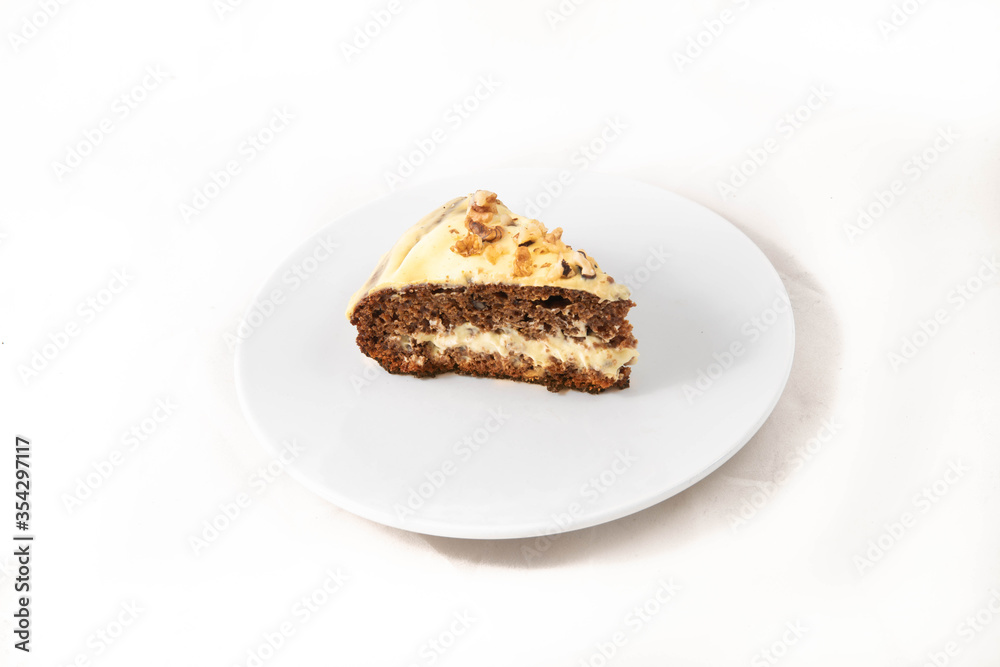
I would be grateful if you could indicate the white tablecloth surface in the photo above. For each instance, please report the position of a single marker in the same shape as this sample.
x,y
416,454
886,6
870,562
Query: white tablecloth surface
x,y
858,527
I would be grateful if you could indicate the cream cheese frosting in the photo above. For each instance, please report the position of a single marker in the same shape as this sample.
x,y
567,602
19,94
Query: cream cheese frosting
x,y
477,240
588,352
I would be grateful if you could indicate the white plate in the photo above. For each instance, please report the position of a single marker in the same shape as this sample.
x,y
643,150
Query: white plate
x,y
431,456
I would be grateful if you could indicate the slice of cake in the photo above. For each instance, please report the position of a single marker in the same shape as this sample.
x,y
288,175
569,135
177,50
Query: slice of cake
x,y
477,290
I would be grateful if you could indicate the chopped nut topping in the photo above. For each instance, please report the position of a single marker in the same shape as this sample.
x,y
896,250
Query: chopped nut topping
x,y
533,231
482,210
485,232
483,207
536,248
493,253
554,272
522,263
586,267
468,245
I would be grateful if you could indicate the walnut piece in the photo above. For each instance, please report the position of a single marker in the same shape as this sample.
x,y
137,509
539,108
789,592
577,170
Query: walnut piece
x,y
482,210
485,232
468,245
523,265
483,207
586,266
555,272
533,231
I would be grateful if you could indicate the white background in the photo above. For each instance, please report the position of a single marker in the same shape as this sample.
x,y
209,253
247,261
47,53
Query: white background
x,y
793,558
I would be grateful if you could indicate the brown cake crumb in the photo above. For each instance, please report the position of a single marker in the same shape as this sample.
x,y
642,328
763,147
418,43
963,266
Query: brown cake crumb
x,y
387,319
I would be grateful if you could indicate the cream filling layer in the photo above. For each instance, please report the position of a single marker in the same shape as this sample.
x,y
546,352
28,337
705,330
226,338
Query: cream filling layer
x,y
582,352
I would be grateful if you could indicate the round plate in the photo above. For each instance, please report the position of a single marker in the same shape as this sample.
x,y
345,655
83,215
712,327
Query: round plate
x,y
479,458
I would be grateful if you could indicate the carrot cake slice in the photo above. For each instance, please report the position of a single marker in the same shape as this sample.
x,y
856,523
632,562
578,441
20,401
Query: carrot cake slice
x,y
475,289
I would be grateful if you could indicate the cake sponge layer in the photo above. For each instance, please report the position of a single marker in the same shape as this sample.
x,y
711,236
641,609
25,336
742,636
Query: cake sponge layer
x,y
534,312
553,336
